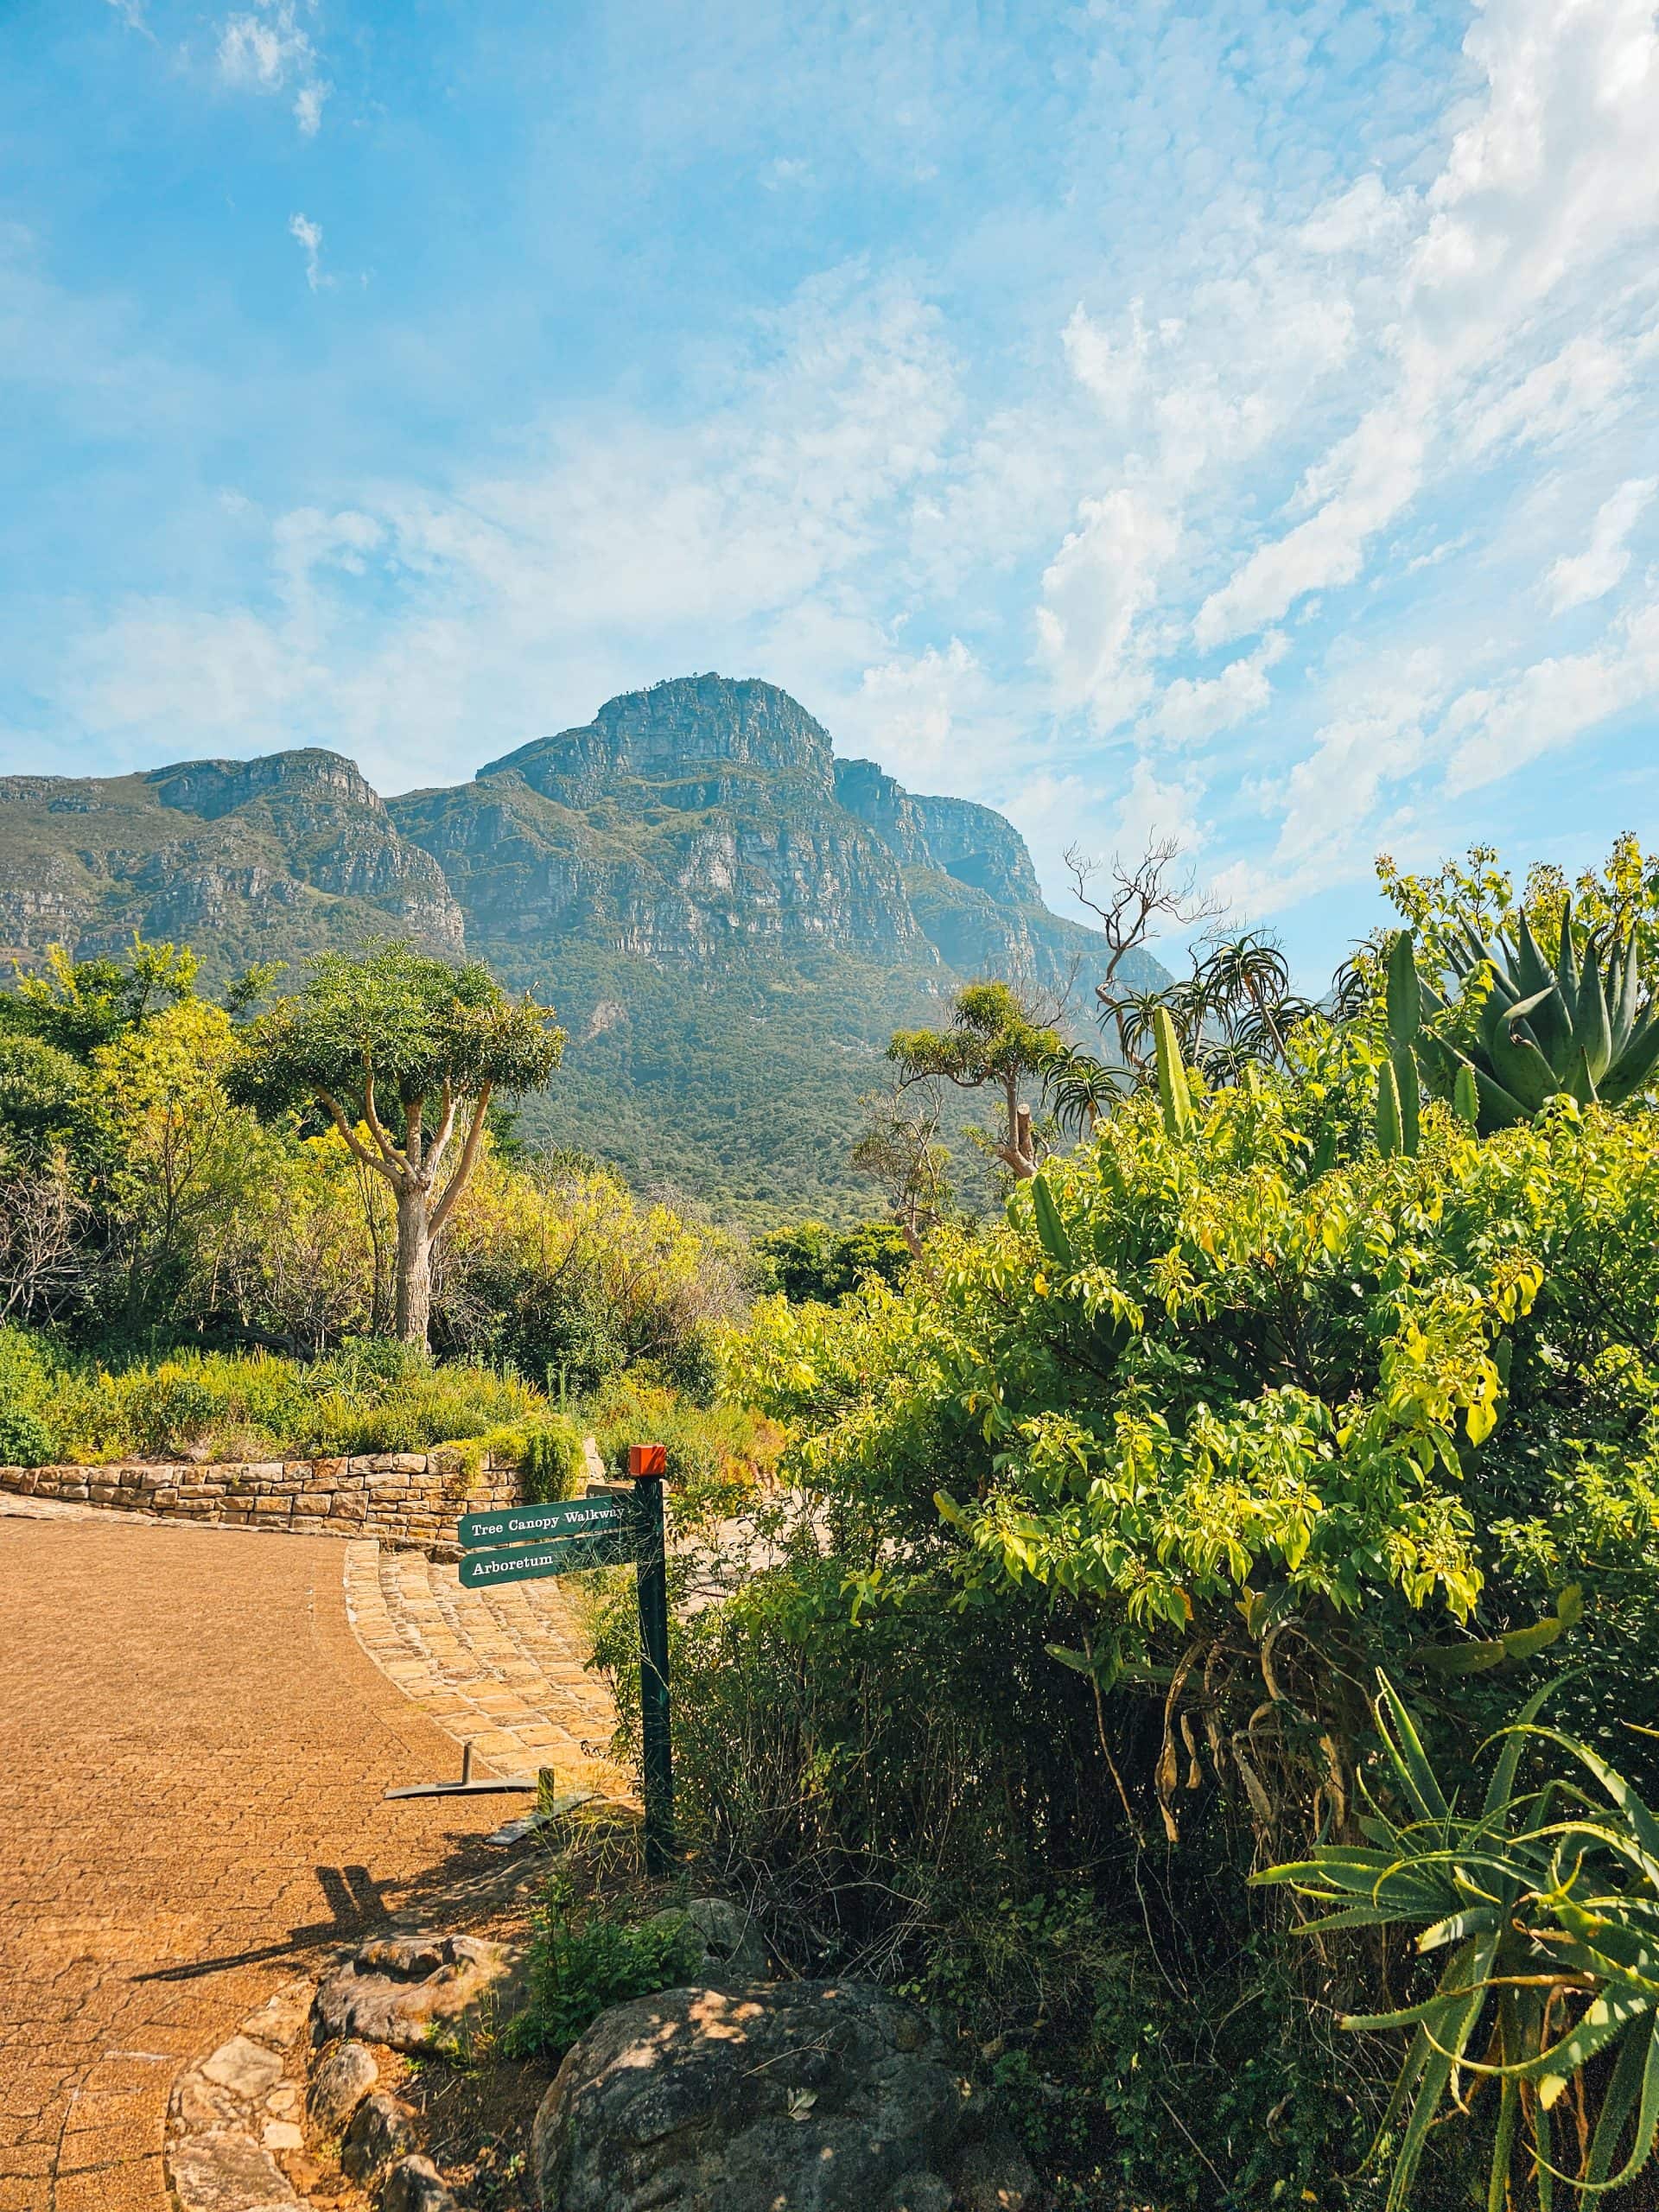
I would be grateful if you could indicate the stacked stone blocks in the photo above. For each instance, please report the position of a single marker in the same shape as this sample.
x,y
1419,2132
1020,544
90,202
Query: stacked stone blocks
x,y
404,1499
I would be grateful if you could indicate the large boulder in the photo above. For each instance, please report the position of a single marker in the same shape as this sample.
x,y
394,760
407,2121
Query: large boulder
x,y
409,1991
805,2096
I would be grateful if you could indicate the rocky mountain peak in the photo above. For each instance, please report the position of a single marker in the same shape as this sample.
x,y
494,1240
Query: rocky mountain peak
x,y
210,788
685,730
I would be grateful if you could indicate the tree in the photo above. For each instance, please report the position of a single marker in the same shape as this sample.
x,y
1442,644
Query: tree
x,y
78,1005
901,1150
1136,905
996,1037
183,1155
398,1049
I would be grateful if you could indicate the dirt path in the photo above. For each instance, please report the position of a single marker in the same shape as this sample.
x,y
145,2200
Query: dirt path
x,y
192,1751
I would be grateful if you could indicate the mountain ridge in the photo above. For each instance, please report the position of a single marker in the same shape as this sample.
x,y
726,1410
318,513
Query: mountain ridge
x,y
729,917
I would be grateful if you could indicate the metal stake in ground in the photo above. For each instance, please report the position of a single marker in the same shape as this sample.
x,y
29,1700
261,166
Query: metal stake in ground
x,y
647,1465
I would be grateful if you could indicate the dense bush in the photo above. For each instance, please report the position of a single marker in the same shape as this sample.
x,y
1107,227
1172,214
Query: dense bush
x,y
811,1261
1106,1520
59,1404
563,1272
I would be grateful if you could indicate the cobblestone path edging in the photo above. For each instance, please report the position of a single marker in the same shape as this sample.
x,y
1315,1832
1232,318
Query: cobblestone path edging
x,y
501,1670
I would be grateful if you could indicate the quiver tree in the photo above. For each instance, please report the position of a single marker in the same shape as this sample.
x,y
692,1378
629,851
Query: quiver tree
x,y
995,1039
401,1052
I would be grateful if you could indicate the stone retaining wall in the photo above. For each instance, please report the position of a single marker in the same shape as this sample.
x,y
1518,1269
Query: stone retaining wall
x,y
412,1499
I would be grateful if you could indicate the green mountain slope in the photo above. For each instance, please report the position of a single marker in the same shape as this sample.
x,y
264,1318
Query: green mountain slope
x,y
729,919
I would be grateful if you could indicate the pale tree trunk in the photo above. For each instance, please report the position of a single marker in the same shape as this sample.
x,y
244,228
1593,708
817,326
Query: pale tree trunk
x,y
414,1308
411,1168
1019,1153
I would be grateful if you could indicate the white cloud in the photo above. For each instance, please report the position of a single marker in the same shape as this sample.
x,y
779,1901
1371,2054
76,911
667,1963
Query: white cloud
x,y
1188,710
309,236
1104,576
1576,579
1498,730
131,13
629,550
270,52
1553,173
930,718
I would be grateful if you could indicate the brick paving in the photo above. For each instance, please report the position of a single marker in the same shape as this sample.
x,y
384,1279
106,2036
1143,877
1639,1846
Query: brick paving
x,y
194,1747
500,1669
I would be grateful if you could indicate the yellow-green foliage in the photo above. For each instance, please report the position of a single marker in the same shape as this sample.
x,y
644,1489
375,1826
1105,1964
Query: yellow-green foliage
x,y
367,1397
1369,1391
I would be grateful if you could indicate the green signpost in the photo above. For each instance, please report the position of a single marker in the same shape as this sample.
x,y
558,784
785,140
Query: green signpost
x,y
521,1543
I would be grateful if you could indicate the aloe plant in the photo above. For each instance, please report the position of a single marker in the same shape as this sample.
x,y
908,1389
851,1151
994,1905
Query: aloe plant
x,y
1547,1905
1582,1025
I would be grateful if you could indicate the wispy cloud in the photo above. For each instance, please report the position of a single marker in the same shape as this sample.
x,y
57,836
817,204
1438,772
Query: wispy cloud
x,y
308,236
1575,580
269,51
1208,451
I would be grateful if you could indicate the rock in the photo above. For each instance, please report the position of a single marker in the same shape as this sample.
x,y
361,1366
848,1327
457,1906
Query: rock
x,y
198,2104
344,2077
225,2170
822,2096
732,1942
400,1989
280,2019
415,2185
383,2129
247,2068
281,2135
993,2175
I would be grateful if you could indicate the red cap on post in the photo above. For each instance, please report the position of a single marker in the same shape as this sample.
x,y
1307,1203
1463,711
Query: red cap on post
x,y
647,1459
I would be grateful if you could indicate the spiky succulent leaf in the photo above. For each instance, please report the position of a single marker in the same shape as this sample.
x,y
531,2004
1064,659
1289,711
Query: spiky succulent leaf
x,y
1387,1110
1173,1092
1404,993
1404,1062
1051,1229
1466,1095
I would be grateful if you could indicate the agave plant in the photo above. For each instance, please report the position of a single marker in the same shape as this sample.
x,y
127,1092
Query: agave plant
x,y
1546,1905
1583,1025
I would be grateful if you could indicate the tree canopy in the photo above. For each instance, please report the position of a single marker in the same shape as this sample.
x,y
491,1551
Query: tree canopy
x,y
394,1044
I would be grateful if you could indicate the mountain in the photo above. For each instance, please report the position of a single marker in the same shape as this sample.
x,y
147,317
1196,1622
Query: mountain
x,y
729,918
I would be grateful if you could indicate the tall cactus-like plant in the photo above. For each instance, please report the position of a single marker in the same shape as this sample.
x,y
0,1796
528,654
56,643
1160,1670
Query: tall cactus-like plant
x,y
1173,1092
1581,1025
1399,1093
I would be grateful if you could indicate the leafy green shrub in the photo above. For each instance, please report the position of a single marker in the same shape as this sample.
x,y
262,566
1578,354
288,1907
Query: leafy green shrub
x,y
714,1452
567,1275
25,1439
583,1960
810,1261
169,1408
258,1405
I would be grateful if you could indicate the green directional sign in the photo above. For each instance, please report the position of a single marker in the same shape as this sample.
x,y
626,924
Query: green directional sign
x,y
523,1524
612,1546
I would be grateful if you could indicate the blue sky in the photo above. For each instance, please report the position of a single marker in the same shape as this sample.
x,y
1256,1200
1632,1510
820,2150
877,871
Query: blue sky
x,y
1234,421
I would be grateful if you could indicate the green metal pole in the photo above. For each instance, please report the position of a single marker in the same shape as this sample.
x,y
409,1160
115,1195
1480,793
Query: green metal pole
x,y
645,1465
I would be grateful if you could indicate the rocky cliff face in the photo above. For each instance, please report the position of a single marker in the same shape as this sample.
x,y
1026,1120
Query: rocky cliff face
x,y
729,920
705,817
244,859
